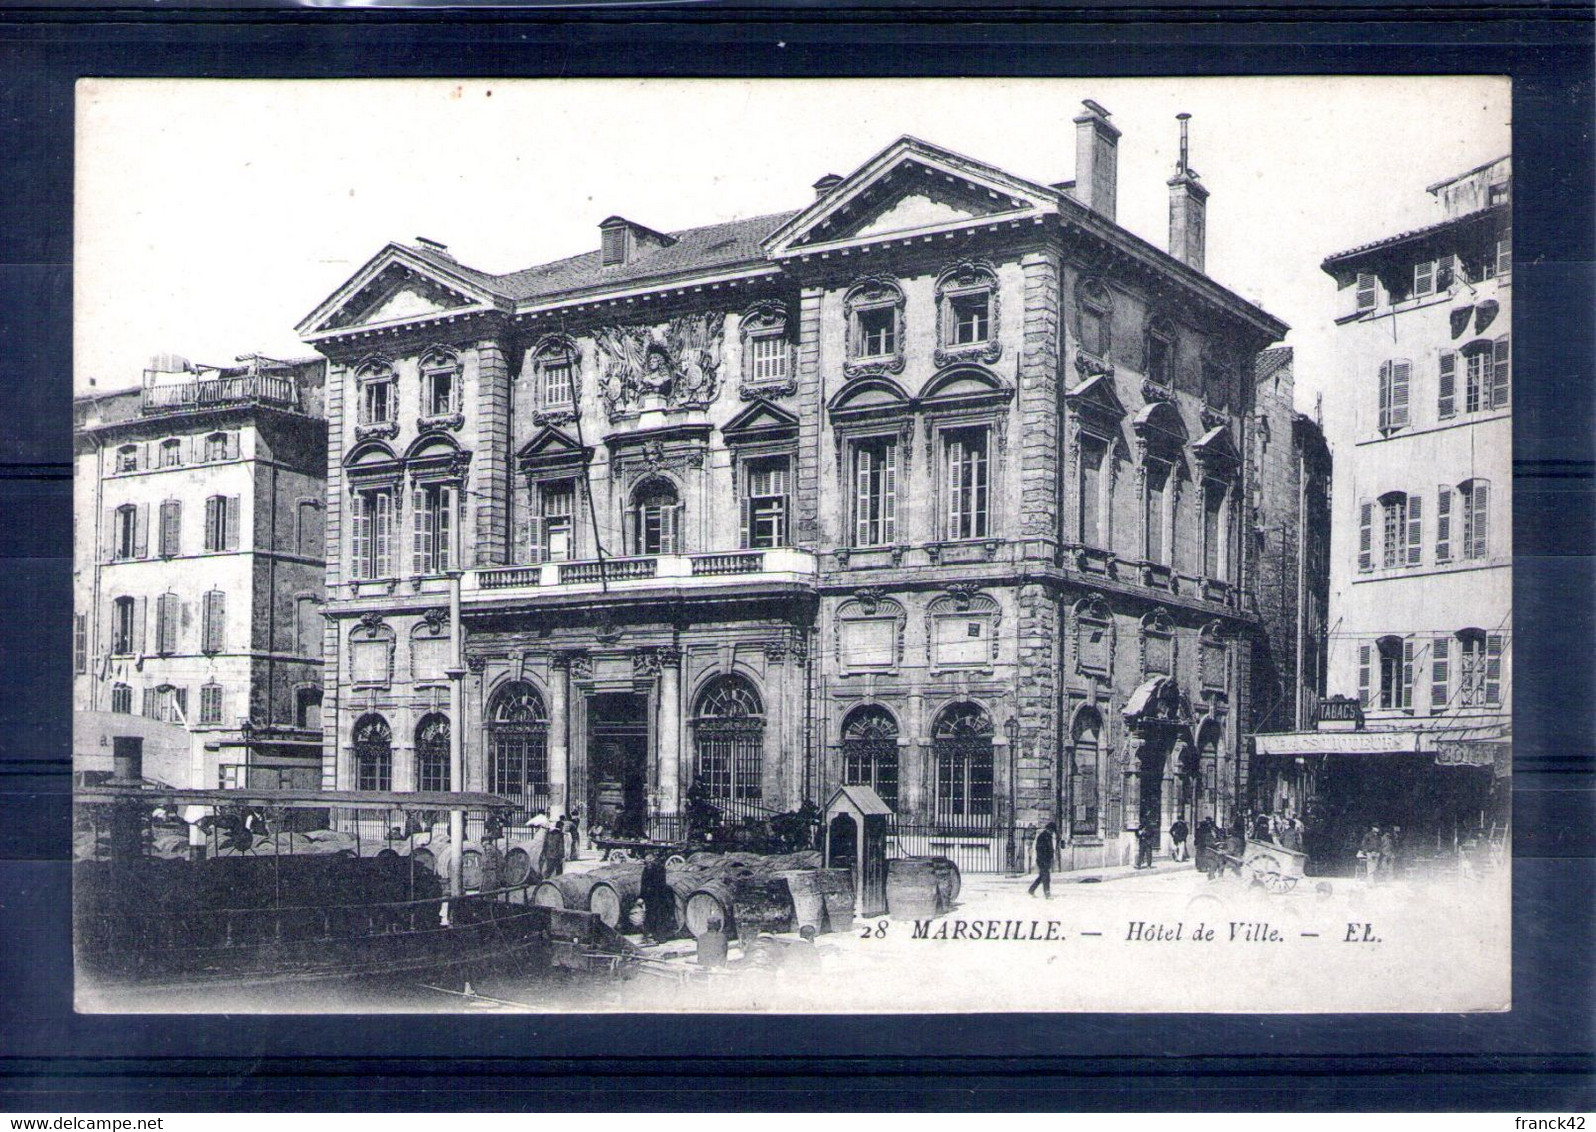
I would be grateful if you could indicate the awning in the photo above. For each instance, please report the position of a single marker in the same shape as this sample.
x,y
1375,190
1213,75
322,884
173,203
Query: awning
x,y
1444,743
1142,698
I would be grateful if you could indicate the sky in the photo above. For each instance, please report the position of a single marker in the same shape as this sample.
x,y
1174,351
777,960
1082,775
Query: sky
x,y
213,215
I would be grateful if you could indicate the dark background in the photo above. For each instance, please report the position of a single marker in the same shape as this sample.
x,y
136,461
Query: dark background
x,y
1538,1058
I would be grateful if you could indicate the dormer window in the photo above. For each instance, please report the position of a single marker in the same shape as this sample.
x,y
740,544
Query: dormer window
x,y
612,249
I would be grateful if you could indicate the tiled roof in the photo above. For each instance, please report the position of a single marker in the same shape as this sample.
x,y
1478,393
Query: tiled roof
x,y
1271,362
1412,234
696,249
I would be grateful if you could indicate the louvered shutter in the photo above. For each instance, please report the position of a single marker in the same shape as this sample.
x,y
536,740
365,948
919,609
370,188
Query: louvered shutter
x,y
215,617
110,534
167,616
445,535
151,704
862,459
1401,374
1415,529
1443,524
1366,537
1479,502
232,445
1363,675
1493,669
954,454
1368,291
1440,673
360,535
672,523
1407,674
232,511
745,509
532,533
141,534
1503,356
1446,406
1385,395
421,532
171,512
140,615
889,493
382,534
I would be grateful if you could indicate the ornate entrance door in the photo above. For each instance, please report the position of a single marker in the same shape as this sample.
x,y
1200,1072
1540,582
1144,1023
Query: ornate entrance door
x,y
617,759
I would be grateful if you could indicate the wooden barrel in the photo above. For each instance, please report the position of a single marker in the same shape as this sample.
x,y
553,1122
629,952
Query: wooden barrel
x,y
948,882
784,862
836,891
709,900
613,894
569,890
808,904
517,866
912,891
683,884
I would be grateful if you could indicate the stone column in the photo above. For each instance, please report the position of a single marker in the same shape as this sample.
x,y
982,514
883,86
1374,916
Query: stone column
x,y
559,731
670,730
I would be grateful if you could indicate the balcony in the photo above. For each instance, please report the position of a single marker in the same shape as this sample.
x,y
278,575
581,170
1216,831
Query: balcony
x,y
678,573
219,392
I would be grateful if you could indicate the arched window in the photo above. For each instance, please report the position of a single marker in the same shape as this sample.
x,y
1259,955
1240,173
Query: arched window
x,y
870,751
1085,751
656,517
432,752
1094,313
962,738
729,735
518,745
373,753
1402,530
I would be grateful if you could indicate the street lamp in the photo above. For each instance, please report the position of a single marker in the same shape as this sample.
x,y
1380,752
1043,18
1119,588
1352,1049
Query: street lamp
x,y
1012,730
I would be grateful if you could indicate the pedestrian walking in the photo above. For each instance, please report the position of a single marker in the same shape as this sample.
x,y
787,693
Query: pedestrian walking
x,y
1146,839
1046,843
554,849
574,822
1369,852
539,825
1207,837
1177,836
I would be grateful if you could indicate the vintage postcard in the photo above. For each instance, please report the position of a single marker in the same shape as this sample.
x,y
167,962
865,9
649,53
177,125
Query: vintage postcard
x,y
803,546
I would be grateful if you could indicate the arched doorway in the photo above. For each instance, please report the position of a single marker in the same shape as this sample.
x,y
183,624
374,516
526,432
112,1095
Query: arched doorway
x,y
870,751
518,746
432,752
729,744
961,740
373,749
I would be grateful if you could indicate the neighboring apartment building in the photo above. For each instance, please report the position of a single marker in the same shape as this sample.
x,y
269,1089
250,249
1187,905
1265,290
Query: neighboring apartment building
x,y
935,484
198,563
1418,729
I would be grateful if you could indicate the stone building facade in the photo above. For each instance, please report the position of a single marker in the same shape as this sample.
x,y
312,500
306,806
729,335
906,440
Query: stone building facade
x,y
198,562
936,484
1417,731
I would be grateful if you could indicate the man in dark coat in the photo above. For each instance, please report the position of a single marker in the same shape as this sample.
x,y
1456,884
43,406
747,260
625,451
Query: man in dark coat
x,y
1046,842
1177,836
659,901
1146,841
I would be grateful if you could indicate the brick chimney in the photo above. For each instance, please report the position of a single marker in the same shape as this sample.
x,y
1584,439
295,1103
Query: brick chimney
x,y
1188,209
1096,159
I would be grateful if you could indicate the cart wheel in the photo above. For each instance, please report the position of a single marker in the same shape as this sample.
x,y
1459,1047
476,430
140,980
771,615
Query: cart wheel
x,y
618,855
675,861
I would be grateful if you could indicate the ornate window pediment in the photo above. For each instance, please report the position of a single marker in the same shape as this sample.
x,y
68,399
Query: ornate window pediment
x,y
968,314
1217,452
761,423
376,400
554,365
372,463
874,310
1096,405
1160,427
371,649
766,352
964,387
552,451
870,397
1158,644
441,377
436,457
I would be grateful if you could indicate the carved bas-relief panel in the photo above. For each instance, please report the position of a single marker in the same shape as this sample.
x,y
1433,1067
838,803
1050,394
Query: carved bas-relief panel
x,y
671,365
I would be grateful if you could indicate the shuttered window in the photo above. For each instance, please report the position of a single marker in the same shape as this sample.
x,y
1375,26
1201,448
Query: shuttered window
x,y
1440,673
656,519
768,360
210,704
171,528
1156,549
1395,379
1394,511
965,456
557,525
125,630
433,519
1443,524
766,493
215,621
1415,549
1213,531
168,613
1366,537
1363,674
875,491
1446,401
80,643
1368,293
1474,499
1501,377
1424,278
371,546
1480,680
221,523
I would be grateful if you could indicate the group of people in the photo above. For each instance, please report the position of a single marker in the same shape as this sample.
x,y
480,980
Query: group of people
x,y
1378,853
553,842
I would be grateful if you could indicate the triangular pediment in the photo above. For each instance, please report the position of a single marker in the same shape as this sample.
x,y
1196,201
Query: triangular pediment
x,y
759,421
910,188
396,286
552,444
1096,396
